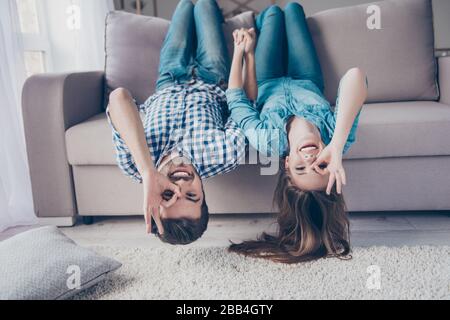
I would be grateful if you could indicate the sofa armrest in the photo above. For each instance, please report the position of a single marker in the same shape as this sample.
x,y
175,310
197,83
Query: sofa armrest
x,y
444,79
51,104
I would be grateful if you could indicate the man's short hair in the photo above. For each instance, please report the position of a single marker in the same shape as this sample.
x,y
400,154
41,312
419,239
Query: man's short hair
x,y
185,231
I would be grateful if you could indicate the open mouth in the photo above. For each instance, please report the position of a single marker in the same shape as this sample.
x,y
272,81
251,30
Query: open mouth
x,y
182,173
309,147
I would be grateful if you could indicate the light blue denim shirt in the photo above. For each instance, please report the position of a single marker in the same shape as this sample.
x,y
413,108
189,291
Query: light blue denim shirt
x,y
264,123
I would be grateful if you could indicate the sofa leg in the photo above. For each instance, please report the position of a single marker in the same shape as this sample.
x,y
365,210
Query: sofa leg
x,y
58,221
88,220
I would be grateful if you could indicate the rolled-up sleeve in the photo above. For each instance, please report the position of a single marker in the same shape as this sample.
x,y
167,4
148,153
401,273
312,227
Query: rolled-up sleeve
x,y
262,135
242,110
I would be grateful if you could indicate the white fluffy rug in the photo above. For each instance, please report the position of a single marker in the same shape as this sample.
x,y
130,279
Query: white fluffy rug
x,y
200,273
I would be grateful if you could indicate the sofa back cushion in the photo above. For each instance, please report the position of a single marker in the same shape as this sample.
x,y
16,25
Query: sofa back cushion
x,y
133,45
398,58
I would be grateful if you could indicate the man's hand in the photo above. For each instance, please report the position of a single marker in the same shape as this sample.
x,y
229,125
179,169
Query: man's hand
x,y
239,42
331,156
155,184
250,41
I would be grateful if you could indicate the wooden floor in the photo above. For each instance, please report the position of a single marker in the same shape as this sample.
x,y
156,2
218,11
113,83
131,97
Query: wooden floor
x,y
368,229
381,229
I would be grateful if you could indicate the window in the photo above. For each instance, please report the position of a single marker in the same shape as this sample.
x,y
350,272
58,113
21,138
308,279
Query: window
x,y
34,62
35,41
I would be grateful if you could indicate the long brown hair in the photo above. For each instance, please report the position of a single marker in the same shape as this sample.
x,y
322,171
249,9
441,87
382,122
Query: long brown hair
x,y
311,225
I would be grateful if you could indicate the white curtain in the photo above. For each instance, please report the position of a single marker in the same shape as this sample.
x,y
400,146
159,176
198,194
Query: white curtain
x,y
16,204
70,49
76,33
91,36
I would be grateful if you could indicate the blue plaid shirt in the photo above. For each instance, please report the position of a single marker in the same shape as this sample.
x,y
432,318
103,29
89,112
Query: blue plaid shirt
x,y
189,119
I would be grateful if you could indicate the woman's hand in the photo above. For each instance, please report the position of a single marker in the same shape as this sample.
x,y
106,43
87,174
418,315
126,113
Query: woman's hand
x,y
331,156
244,48
244,40
250,41
155,184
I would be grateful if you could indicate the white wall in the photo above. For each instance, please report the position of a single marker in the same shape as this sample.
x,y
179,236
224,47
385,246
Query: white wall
x,y
441,11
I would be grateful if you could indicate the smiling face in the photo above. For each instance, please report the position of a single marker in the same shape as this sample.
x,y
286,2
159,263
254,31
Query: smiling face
x,y
305,145
188,206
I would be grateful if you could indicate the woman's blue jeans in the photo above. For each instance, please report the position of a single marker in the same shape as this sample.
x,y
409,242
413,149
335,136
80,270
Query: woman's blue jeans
x,y
285,46
195,43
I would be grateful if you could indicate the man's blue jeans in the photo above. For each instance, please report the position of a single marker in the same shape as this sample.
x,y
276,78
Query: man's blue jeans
x,y
195,43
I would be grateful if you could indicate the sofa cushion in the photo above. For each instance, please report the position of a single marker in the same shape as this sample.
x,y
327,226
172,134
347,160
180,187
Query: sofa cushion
x,y
402,129
91,143
133,45
398,129
398,59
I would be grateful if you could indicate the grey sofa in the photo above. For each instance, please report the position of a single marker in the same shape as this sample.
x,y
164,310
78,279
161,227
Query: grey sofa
x,y
400,162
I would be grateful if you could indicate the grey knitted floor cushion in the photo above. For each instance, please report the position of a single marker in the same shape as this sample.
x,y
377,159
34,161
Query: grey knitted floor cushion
x,y
43,264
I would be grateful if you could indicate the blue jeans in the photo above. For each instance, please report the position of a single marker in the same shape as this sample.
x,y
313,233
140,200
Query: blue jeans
x,y
285,46
195,43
